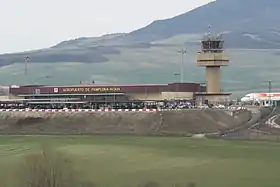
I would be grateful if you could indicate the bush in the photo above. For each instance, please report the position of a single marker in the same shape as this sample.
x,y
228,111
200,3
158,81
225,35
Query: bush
x,y
48,169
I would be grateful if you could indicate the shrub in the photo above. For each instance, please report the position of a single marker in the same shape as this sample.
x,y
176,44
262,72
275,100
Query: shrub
x,y
48,168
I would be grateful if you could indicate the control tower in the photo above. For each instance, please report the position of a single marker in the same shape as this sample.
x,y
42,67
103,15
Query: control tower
x,y
213,57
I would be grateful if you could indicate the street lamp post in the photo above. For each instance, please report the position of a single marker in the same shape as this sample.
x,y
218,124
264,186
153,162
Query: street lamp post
x,y
182,52
26,58
269,90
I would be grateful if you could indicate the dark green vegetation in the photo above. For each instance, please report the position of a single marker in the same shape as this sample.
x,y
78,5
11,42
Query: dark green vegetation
x,y
247,72
129,161
246,24
149,55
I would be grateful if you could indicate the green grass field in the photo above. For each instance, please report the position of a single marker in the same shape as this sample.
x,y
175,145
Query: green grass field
x,y
127,161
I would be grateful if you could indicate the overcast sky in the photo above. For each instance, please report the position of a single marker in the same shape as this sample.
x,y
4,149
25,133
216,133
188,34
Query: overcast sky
x,y
34,24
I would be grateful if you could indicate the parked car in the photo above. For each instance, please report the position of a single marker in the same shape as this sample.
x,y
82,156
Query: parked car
x,y
219,106
203,106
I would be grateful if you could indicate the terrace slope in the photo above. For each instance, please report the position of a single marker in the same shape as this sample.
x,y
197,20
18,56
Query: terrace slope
x,y
158,123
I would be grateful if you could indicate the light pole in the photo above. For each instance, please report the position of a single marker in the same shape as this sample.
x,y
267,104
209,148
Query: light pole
x,y
182,52
26,58
269,91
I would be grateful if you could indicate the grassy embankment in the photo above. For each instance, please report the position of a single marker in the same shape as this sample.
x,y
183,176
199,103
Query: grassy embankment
x,y
128,161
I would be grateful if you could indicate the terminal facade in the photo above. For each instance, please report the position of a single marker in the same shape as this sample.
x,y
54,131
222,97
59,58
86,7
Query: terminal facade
x,y
94,94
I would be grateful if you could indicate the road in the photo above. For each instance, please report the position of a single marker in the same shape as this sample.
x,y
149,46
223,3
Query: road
x,y
271,122
243,131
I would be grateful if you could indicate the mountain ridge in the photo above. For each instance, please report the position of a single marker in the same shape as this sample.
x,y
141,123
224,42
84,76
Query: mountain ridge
x,y
252,24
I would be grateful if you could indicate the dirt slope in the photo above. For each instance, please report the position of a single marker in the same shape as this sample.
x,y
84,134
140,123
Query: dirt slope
x,y
168,122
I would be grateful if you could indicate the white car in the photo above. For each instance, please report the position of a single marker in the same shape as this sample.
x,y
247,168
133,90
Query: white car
x,y
203,106
220,106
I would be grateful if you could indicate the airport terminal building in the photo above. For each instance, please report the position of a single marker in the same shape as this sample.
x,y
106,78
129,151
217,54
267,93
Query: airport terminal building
x,y
80,95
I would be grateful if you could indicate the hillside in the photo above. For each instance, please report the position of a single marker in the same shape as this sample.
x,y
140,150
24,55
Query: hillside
x,y
76,50
246,24
149,55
